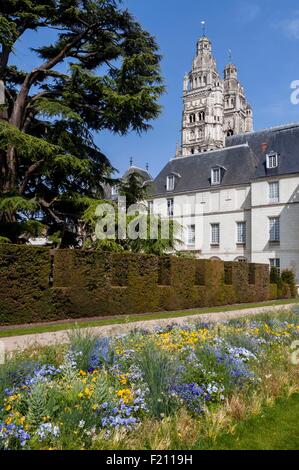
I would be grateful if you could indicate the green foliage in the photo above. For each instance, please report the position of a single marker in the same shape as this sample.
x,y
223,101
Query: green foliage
x,y
158,371
29,146
89,283
103,391
288,277
4,240
83,343
133,189
171,389
210,370
37,404
50,164
274,275
14,371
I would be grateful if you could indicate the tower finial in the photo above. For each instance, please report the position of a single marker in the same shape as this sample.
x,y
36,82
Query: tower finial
x,y
131,161
230,56
147,167
204,29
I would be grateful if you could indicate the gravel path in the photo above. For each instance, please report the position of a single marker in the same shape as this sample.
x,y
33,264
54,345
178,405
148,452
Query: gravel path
x,y
43,339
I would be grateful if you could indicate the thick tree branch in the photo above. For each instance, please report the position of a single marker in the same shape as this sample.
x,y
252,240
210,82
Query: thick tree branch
x,y
32,169
47,206
16,117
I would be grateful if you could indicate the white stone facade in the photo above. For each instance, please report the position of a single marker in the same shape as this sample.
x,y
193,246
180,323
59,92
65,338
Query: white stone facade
x,y
213,107
230,206
239,200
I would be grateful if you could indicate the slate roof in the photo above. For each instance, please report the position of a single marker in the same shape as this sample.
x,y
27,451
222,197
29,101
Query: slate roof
x,y
244,159
144,174
283,140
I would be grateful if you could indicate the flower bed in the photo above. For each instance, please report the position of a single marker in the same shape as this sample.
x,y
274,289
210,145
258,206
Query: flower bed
x,y
106,393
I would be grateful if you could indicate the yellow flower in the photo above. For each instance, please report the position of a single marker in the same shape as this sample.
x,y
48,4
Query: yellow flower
x,y
125,394
8,420
8,408
22,420
80,395
123,379
82,373
88,392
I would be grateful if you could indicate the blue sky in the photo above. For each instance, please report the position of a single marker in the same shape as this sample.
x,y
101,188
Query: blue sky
x,y
264,38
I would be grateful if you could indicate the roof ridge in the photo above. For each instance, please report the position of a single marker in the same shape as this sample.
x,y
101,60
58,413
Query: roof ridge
x,y
203,154
267,129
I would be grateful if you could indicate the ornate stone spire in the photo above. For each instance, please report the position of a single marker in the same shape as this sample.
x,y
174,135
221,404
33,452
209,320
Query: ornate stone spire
x,y
213,108
203,103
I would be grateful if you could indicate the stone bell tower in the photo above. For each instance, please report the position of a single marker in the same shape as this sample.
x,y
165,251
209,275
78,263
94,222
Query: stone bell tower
x,y
213,108
237,112
202,127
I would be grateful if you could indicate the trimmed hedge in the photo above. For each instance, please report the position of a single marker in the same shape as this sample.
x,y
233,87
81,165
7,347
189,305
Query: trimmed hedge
x,y
88,283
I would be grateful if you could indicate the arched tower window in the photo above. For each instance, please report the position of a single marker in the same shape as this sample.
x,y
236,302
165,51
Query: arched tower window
x,y
201,116
230,133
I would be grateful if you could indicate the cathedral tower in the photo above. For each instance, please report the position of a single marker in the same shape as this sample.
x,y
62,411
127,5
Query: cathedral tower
x,y
213,108
237,112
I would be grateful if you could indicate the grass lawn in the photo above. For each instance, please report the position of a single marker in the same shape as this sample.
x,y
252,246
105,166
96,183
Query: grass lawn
x,y
119,319
275,429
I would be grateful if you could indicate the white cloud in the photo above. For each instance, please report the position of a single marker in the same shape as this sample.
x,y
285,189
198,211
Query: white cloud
x,y
248,11
291,26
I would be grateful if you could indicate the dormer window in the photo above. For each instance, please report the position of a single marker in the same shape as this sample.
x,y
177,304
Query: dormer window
x,y
114,191
170,182
272,161
216,176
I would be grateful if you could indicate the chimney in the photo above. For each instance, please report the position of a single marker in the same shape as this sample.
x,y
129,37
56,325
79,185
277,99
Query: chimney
x,y
264,147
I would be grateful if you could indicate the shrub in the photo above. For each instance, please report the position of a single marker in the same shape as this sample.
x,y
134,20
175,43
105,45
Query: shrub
x,y
288,277
4,240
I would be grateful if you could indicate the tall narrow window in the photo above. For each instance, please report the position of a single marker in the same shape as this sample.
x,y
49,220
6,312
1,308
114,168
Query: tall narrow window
x,y
170,183
170,207
274,191
216,176
275,263
274,229
202,116
241,233
150,206
191,235
215,234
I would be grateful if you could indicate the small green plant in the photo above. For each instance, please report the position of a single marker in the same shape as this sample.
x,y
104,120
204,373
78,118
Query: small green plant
x,y
158,371
83,343
37,404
